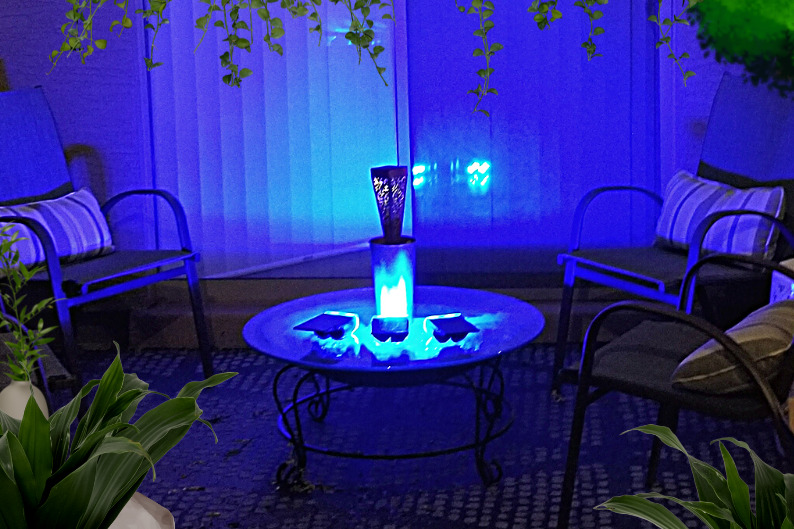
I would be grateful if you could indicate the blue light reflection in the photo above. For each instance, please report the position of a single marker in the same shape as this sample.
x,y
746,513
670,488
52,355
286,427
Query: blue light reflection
x,y
419,345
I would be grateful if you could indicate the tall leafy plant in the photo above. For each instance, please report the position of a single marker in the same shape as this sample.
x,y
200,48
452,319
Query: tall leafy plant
x,y
723,499
50,479
16,317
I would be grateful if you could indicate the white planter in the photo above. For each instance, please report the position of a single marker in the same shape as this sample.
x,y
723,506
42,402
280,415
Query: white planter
x,y
14,398
143,513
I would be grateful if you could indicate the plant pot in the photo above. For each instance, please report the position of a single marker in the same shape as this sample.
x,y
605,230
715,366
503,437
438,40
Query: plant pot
x,y
14,398
143,513
393,277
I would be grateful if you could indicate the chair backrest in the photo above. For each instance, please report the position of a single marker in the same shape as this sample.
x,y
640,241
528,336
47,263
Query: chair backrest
x,y
749,141
32,163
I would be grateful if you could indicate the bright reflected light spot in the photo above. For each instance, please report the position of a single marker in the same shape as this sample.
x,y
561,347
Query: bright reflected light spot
x,y
479,177
394,300
419,181
418,169
394,287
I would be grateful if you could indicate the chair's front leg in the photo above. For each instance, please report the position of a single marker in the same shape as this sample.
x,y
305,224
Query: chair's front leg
x,y
563,326
572,461
69,343
202,331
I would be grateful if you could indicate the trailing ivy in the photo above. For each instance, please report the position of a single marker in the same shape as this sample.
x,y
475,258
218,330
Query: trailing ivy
x,y
484,11
592,15
230,17
665,26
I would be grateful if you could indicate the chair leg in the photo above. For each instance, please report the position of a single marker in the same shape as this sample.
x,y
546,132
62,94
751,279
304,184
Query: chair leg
x,y
563,326
572,461
668,416
202,332
69,344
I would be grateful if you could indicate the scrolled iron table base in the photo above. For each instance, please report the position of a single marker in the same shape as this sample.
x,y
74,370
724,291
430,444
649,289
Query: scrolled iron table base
x,y
493,417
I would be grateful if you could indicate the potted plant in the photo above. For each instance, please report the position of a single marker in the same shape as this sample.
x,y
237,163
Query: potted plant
x,y
50,479
724,500
22,341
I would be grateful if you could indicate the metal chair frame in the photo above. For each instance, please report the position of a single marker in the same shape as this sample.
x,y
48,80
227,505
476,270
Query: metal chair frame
x,y
668,411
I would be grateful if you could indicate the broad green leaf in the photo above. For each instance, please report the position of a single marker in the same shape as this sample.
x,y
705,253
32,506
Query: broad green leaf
x,y
6,463
23,473
8,424
34,437
769,482
12,509
709,482
61,422
117,473
740,492
193,389
788,481
69,499
644,509
106,394
80,456
708,513
114,511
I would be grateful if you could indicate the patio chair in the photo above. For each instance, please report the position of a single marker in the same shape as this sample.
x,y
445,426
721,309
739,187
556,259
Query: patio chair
x,y
748,144
668,358
67,230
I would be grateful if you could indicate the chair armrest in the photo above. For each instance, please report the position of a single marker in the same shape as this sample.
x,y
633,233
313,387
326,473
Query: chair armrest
x,y
50,254
686,295
584,203
658,309
696,243
173,202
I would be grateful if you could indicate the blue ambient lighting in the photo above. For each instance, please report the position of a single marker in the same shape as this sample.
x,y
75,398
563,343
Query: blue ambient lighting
x,y
419,345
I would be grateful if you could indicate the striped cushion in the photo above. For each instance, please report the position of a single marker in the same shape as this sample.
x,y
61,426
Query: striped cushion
x,y
765,335
75,222
689,199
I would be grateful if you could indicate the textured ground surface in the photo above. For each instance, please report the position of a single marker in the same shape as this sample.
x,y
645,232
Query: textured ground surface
x,y
230,484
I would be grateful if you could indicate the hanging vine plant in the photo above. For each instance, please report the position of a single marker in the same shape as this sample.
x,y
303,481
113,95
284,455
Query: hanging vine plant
x,y
235,18
758,34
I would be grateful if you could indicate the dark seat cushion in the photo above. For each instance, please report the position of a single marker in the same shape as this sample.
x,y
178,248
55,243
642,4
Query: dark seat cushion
x,y
654,264
641,361
116,264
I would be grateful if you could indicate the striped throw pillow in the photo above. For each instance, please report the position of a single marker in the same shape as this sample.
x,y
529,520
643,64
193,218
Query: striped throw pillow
x,y
75,222
689,199
765,335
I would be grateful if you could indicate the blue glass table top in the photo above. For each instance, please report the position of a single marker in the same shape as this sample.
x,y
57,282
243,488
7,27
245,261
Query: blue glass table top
x,y
505,324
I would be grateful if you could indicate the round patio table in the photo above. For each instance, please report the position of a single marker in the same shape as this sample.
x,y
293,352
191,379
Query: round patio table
x,y
504,324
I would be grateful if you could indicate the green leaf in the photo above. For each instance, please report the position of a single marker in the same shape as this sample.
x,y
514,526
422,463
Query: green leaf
x,y
69,499
769,482
245,72
34,437
109,386
193,389
12,511
23,473
61,422
740,492
707,512
644,509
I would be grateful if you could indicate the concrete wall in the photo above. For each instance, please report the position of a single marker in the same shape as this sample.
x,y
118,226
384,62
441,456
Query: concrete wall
x,y
100,108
